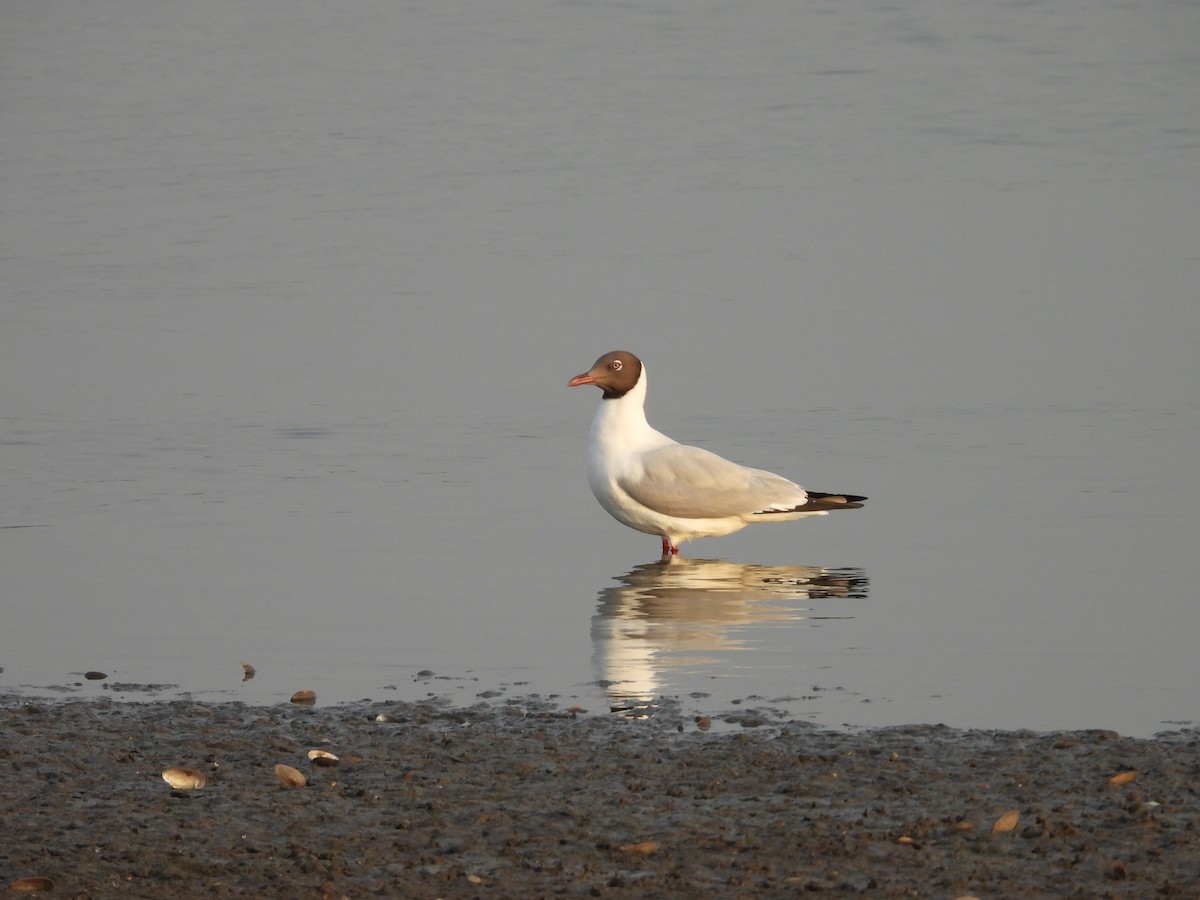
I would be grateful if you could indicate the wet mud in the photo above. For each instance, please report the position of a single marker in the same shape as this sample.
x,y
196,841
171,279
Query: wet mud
x,y
528,800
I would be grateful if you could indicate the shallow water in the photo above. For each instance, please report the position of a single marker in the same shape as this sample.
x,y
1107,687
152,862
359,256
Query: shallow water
x,y
291,297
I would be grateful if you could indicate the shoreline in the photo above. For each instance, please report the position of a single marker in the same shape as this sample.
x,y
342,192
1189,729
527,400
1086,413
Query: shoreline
x,y
527,799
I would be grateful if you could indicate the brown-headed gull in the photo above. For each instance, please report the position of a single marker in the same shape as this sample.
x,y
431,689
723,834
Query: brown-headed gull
x,y
654,484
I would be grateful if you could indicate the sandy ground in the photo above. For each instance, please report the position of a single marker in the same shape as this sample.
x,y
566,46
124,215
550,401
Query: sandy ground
x,y
527,800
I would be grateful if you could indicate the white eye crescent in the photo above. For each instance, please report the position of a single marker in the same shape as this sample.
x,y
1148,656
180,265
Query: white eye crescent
x,y
616,365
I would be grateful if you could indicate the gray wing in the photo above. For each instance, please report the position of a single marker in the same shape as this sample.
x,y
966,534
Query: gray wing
x,y
691,483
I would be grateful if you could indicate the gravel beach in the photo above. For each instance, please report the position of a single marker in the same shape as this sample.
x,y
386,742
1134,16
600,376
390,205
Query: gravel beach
x,y
529,800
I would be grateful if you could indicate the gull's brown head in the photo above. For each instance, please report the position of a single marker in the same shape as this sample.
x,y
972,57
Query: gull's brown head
x,y
614,373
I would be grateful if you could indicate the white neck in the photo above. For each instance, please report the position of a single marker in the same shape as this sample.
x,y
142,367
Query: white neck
x,y
620,423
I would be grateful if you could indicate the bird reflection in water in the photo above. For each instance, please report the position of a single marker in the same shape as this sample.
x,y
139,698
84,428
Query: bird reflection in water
x,y
666,619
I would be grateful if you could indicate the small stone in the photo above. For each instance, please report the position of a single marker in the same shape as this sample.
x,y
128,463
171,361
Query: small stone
x,y
1008,821
322,758
308,698
1123,777
290,777
32,883
184,779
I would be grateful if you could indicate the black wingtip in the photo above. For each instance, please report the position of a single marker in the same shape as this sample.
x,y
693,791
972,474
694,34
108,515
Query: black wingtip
x,y
850,501
818,502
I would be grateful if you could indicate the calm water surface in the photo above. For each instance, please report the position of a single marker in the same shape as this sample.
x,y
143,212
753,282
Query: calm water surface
x,y
292,293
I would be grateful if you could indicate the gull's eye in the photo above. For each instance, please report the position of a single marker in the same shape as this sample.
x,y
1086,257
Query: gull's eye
x,y
616,365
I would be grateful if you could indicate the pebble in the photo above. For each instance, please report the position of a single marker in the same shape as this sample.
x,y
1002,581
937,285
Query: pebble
x,y
32,883
290,777
184,779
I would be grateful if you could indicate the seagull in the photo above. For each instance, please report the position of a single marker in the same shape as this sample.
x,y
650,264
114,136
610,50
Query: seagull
x,y
659,486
